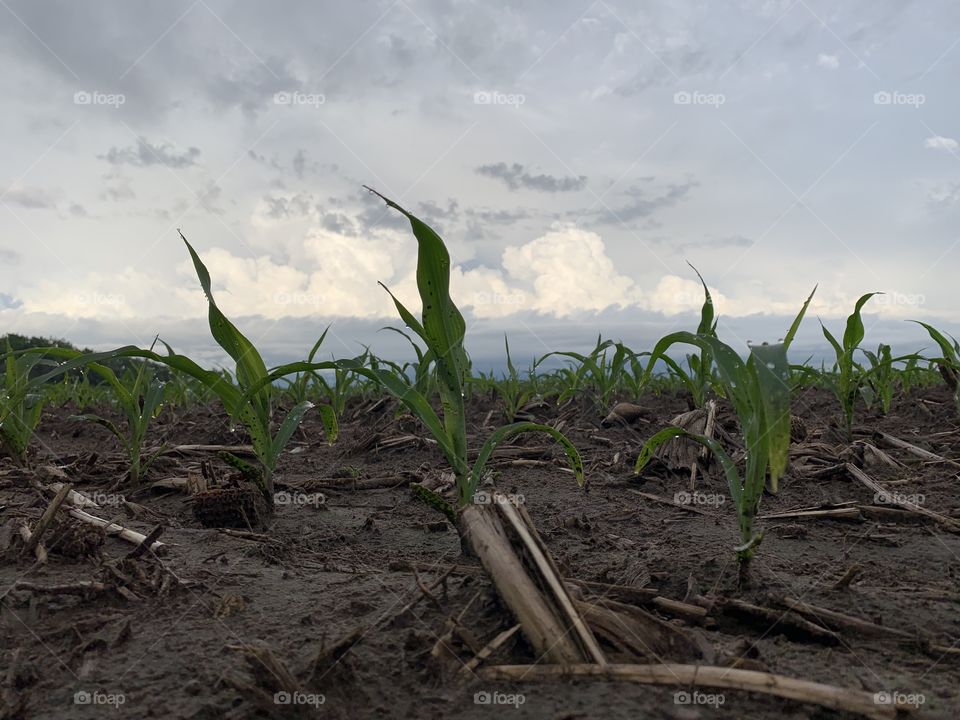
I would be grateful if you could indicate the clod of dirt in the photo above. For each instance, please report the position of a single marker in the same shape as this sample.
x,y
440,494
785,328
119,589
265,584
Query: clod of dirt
x,y
236,507
72,538
623,413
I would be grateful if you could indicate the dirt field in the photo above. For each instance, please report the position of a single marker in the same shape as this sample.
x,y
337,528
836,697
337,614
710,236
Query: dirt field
x,y
328,586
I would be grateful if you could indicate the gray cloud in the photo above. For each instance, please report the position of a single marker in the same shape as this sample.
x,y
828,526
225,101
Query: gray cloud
x,y
641,204
118,187
146,154
516,177
8,302
715,243
30,197
11,257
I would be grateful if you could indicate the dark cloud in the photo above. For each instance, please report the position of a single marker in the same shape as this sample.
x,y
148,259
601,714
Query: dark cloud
x,y
78,210
296,206
489,216
516,177
146,154
640,204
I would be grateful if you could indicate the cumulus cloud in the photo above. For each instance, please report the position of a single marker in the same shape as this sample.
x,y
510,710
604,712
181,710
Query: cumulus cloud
x,y
938,142
516,176
569,271
830,62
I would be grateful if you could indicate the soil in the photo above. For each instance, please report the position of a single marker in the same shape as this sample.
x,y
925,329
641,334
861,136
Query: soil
x,y
321,594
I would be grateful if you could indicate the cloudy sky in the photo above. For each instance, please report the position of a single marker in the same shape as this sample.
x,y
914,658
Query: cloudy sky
x,y
575,156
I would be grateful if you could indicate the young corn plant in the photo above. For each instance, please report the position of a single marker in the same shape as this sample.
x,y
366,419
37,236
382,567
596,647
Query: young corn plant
x,y
249,399
759,390
849,376
21,403
699,380
442,329
514,393
948,364
596,371
881,377
139,395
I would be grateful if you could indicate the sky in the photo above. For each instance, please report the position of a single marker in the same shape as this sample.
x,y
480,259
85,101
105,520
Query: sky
x,y
575,156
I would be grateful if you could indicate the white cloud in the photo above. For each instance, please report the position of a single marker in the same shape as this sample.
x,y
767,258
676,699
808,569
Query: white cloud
x,y
831,62
938,142
569,271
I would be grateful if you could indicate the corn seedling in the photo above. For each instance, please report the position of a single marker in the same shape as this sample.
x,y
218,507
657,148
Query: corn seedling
x,y
514,393
248,399
21,403
602,375
442,330
881,377
948,364
759,390
139,395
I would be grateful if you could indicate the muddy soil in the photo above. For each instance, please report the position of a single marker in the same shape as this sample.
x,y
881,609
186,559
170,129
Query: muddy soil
x,y
362,597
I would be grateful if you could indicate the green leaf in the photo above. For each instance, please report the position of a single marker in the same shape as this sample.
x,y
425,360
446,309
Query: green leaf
x,y
773,375
508,431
